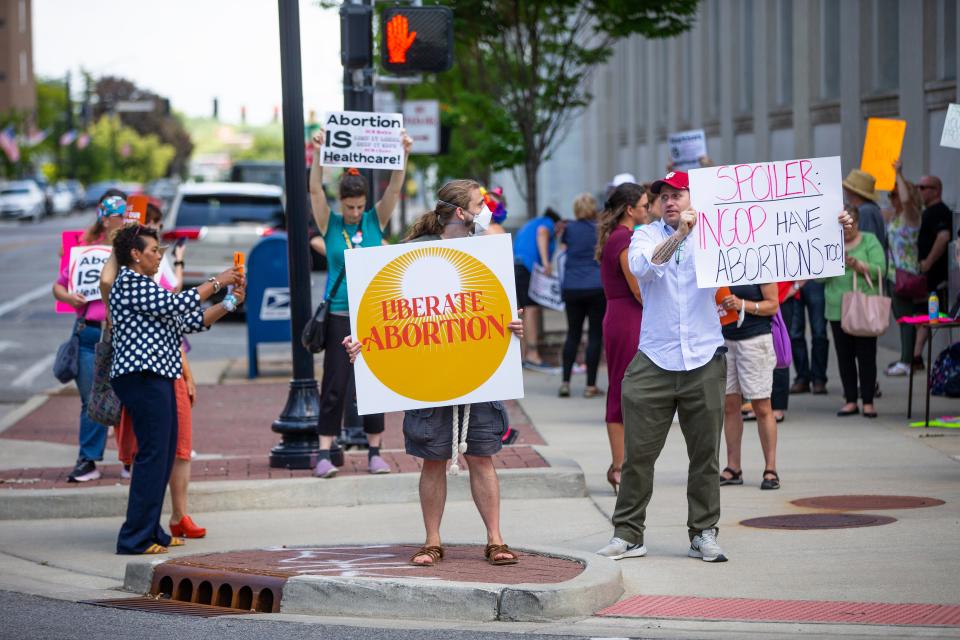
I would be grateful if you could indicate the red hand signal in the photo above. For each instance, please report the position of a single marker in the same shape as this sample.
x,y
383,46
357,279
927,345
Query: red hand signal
x,y
399,38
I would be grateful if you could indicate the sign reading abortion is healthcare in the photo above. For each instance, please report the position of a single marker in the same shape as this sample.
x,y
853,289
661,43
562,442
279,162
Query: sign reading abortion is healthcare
x,y
362,139
767,222
432,319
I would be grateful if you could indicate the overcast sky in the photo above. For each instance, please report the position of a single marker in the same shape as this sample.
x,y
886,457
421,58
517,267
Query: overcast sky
x,y
191,50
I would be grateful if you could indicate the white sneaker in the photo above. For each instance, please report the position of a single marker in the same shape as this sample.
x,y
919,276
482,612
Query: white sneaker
x,y
705,547
898,370
619,548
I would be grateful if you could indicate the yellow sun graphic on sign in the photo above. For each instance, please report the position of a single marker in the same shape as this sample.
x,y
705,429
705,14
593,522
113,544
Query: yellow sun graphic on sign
x,y
433,324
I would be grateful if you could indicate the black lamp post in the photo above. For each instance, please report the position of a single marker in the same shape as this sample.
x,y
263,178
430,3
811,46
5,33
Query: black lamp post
x,y
297,424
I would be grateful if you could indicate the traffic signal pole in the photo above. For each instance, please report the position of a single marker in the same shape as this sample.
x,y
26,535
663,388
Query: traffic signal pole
x,y
297,423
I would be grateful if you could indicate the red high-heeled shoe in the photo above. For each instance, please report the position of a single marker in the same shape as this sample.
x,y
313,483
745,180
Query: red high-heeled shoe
x,y
187,528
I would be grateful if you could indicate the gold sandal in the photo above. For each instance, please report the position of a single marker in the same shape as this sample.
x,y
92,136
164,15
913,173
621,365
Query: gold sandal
x,y
434,551
153,550
176,542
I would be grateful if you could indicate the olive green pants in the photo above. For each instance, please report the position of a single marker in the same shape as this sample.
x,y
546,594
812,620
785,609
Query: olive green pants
x,y
650,397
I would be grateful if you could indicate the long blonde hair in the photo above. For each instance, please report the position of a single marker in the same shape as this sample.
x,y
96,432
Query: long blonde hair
x,y
453,195
626,195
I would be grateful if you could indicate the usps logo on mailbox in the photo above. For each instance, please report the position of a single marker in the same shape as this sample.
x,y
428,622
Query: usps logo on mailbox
x,y
276,304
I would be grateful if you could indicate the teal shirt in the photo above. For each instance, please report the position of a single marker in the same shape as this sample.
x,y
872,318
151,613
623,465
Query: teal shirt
x,y
366,234
869,251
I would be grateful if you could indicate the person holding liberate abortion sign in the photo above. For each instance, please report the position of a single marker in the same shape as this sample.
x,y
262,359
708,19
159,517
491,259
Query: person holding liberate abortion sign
x,y
680,368
91,314
354,227
438,434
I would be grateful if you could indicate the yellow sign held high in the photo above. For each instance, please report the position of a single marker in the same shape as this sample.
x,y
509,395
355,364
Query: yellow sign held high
x,y
881,148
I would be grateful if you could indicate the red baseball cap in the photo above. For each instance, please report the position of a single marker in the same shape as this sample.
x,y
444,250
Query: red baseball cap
x,y
676,179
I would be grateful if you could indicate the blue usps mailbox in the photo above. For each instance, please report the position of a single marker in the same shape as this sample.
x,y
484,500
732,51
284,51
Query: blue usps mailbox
x,y
268,296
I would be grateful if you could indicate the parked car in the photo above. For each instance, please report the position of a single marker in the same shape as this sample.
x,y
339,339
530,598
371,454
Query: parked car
x,y
22,200
95,191
63,201
76,188
217,219
262,172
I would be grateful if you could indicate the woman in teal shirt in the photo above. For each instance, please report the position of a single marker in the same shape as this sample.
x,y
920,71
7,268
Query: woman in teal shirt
x,y
856,355
354,227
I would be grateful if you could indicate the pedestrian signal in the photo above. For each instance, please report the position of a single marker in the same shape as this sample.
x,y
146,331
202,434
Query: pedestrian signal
x,y
417,39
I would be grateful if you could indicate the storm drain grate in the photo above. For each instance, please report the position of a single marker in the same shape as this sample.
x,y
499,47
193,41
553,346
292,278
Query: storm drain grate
x,y
867,502
222,588
166,607
818,521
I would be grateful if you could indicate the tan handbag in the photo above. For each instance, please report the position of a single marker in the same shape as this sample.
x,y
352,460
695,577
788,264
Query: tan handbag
x,y
865,315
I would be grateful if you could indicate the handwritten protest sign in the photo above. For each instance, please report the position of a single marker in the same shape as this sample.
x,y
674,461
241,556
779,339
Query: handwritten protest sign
x,y
951,128
83,275
767,222
686,148
881,148
422,118
432,318
366,140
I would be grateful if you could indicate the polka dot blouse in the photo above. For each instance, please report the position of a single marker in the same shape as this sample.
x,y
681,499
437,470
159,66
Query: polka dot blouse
x,y
149,323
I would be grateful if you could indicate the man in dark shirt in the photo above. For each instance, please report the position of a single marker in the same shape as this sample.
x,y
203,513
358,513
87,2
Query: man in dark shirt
x,y
936,229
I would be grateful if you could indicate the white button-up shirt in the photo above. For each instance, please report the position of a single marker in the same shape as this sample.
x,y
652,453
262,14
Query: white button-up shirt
x,y
681,326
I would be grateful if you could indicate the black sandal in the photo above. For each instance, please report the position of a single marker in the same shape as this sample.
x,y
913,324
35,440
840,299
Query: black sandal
x,y
736,477
770,484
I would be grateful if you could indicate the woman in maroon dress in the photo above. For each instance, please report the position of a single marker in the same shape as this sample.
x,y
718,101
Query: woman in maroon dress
x,y
626,207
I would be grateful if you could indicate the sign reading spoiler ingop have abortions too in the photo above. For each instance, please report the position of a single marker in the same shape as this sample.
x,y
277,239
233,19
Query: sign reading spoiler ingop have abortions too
x,y
364,140
767,222
432,319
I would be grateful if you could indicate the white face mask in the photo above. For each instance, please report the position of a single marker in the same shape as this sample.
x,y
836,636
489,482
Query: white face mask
x,y
483,219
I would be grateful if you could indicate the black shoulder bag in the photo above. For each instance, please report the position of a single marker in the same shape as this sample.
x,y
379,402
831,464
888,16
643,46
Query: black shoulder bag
x,y
315,331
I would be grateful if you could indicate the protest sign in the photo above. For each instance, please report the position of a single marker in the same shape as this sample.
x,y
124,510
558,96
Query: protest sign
x,y
767,222
881,148
68,240
686,148
361,139
432,319
83,275
423,125
951,128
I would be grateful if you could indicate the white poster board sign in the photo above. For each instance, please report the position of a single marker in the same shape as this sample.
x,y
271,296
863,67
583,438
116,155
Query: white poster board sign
x,y
951,128
686,148
432,318
362,139
767,222
83,274
423,125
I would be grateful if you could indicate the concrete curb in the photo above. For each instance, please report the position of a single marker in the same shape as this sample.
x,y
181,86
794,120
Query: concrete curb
x,y
563,479
598,586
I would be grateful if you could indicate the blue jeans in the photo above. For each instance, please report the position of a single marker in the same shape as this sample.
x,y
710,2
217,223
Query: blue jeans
x,y
93,435
812,368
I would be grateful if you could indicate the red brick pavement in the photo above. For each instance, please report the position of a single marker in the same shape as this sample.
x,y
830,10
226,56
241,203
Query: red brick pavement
x,y
461,562
233,421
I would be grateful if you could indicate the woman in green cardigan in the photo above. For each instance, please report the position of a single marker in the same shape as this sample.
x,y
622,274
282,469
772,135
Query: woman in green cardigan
x,y
856,355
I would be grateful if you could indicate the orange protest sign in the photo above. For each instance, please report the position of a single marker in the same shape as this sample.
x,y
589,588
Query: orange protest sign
x,y
238,260
136,209
881,148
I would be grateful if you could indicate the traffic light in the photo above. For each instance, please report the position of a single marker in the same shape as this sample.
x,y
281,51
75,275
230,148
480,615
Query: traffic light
x,y
356,36
417,39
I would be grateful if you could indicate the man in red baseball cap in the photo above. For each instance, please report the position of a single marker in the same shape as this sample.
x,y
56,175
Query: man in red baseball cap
x,y
681,368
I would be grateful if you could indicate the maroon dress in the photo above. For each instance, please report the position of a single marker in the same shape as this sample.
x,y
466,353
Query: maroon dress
x,y
621,324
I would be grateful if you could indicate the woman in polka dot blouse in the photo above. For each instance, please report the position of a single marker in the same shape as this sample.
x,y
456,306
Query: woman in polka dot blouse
x,y
148,325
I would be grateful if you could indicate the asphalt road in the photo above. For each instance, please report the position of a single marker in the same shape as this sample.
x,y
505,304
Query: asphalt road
x,y
34,618
30,329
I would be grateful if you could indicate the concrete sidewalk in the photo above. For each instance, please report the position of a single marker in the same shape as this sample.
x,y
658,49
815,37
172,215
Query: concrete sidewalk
x,y
907,561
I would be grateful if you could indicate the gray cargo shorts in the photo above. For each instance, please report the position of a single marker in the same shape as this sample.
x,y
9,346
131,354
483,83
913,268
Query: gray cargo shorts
x,y
428,433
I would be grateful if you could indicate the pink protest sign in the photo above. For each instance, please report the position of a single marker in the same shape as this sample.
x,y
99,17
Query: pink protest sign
x,y
767,222
69,239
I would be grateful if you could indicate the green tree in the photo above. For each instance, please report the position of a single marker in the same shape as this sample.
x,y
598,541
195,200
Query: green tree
x,y
527,63
118,152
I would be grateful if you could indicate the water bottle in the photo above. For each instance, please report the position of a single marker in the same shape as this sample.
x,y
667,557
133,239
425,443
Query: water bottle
x,y
933,307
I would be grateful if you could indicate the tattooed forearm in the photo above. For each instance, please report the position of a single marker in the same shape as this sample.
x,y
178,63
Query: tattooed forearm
x,y
663,251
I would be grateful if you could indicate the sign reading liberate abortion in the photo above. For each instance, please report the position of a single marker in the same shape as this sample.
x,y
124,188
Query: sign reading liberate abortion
x,y
767,222
362,139
432,319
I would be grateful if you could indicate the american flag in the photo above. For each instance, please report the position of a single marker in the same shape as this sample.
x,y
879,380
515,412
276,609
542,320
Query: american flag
x,y
83,140
8,142
67,138
35,136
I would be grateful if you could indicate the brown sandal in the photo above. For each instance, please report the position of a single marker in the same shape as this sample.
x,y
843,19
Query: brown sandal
x,y
435,553
494,549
